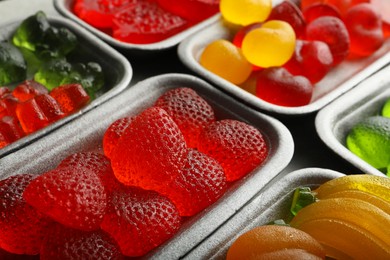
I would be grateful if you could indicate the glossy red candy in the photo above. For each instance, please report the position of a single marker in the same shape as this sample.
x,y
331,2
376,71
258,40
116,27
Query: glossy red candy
x,y
29,89
99,13
22,227
4,91
74,197
344,5
71,97
50,107
113,134
279,87
151,151
66,243
237,146
333,32
10,130
314,11
311,59
193,10
190,112
146,22
31,116
364,26
140,220
8,105
239,36
201,182
290,13
383,7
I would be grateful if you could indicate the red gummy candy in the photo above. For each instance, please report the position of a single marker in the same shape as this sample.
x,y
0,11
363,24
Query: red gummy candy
x,y
74,197
317,10
383,7
50,107
113,133
239,36
10,129
201,182
71,97
96,162
146,22
140,220
4,91
311,59
193,10
22,227
279,87
364,26
333,32
190,112
31,116
99,13
8,105
290,13
344,5
151,151
237,146
66,243
29,89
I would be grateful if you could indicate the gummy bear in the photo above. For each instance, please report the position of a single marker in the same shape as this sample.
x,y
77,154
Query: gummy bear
x,y
13,68
28,89
71,97
50,107
193,10
31,116
10,130
52,73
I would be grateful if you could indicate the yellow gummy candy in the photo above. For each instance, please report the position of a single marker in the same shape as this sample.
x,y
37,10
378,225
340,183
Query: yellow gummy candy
x,y
271,45
224,59
244,12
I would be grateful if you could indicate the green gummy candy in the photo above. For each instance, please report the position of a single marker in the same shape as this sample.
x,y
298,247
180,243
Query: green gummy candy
x,y
302,197
12,65
56,43
53,73
370,140
386,109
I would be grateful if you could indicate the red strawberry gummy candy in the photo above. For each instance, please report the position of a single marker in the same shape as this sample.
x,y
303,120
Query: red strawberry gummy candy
x,y
29,89
74,197
145,22
364,26
113,133
151,151
140,220
237,146
10,129
311,59
66,243
201,182
190,112
96,162
193,10
71,97
277,86
333,32
22,227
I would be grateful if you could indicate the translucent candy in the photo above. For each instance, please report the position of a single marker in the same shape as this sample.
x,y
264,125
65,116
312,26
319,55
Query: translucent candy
x,y
317,10
13,68
386,109
70,97
270,45
224,59
302,197
10,130
245,12
31,116
193,10
28,89
52,73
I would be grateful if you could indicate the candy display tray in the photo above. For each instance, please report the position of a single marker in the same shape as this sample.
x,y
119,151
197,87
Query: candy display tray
x,y
335,121
338,81
116,68
272,204
64,7
86,132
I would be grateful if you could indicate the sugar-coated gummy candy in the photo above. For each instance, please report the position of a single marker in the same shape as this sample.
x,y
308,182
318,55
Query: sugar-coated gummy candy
x,y
200,183
146,22
152,141
289,12
193,10
364,26
386,109
224,59
28,89
65,243
140,220
275,242
237,146
245,12
10,130
74,197
113,134
370,140
70,97
13,68
311,59
333,32
189,110
22,226
314,11
270,45
278,86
